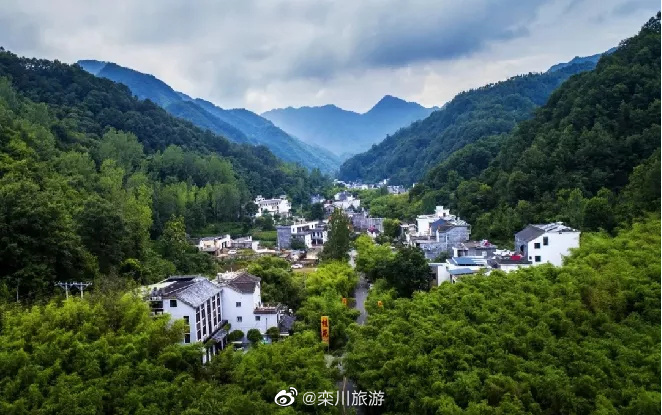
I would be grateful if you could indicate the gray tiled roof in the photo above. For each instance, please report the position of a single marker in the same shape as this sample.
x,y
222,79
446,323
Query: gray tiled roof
x,y
529,233
243,282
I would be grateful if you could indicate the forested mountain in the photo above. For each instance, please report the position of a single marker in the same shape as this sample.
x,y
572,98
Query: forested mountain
x,y
347,132
238,125
580,59
96,182
405,156
590,157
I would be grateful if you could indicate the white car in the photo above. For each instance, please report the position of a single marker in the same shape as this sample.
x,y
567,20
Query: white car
x,y
297,266
232,252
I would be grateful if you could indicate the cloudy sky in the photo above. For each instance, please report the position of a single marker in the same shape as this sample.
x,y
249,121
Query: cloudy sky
x,y
276,53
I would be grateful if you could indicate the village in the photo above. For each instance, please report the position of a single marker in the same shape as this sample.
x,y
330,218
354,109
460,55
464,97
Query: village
x,y
228,310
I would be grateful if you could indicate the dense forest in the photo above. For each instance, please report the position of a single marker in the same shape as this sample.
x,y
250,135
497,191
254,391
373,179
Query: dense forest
x,y
406,155
238,125
590,157
579,339
94,182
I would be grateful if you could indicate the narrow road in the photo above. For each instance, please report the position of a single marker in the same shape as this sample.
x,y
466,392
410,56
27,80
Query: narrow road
x,y
347,386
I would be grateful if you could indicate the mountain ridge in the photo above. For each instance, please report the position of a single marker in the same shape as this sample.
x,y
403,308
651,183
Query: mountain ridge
x,y
231,123
343,131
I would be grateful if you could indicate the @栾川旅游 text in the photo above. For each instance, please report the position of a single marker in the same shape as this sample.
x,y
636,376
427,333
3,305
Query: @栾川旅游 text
x,y
287,397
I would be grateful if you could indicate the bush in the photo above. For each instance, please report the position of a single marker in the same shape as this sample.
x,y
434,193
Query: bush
x,y
235,335
273,333
254,336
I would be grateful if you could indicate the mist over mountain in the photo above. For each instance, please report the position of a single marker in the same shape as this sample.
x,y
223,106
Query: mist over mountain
x,y
238,125
347,132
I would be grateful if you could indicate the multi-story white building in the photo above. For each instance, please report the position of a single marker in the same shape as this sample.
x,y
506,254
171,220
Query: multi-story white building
x,y
546,243
280,206
198,302
423,222
312,234
242,303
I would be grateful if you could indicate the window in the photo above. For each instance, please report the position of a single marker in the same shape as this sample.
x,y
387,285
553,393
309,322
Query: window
x,y
199,334
257,318
173,303
187,338
536,245
238,303
186,319
545,240
238,319
537,259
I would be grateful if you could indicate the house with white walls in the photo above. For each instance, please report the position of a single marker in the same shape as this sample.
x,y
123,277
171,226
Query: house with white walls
x,y
198,302
546,243
242,303
423,221
214,245
312,234
456,267
280,206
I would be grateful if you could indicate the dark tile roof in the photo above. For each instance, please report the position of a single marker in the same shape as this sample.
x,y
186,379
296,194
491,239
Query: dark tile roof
x,y
286,322
529,233
244,282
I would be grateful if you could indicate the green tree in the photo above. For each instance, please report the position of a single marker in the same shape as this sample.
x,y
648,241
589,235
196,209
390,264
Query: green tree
x,y
408,272
254,336
337,246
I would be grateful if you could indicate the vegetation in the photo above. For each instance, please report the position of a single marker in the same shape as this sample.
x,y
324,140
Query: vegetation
x,y
590,157
254,336
337,246
582,339
405,156
278,282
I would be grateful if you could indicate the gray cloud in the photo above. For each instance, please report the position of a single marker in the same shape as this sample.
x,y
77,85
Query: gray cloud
x,y
264,54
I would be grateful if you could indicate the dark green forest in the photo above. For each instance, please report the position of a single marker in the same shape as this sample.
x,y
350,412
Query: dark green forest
x,y
406,155
94,182
589,157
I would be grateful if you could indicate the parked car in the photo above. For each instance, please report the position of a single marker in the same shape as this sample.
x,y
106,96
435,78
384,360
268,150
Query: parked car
x,y
297,266
232,252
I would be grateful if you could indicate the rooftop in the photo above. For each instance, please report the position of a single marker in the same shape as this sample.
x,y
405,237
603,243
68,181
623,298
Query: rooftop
x,y
468,261
240,281
531,232
190,289
462,271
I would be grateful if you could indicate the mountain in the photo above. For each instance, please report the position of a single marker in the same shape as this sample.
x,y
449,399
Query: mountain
x,y
238,125
346,132
580,59
405,156
590,157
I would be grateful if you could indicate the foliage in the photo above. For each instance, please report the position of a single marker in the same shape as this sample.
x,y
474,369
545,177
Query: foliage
x,y
578,339
254,336
405,156
336,276
329,303
298,244
337,246
278,283
582,159
392,228
372,259
235,335
273,333
174,247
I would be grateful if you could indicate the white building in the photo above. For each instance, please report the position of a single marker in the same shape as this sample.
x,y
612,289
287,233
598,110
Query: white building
x,y
198,302
246,242
214,244
312,234
456,267
423,221
280,206
242,303
546,243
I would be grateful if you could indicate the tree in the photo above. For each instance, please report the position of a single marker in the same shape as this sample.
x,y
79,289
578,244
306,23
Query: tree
x,y
254,336
391,228
298,244
235,335
408,272
316,211
337,246
273,333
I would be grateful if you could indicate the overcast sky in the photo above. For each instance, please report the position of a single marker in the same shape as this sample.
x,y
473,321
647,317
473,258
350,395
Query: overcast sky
x,y
272,53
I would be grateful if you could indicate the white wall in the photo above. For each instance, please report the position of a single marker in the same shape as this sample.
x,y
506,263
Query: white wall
x,y
178,313
229,300
559,246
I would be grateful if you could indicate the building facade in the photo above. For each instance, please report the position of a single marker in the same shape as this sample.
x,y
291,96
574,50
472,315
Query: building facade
x,y
280,206
312,234
546,243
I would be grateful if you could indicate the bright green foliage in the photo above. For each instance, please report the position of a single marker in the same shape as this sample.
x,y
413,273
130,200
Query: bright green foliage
x,y
580,339
329,303
408,272
372,259
391,228
175,248
334,276
278,285
337,246
394,207
106,354
235,335
273,333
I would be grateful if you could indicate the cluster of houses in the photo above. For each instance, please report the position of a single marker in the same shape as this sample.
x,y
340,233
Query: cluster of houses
x,y
392,189
534,245
224,245
436,233
280,206
210,309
